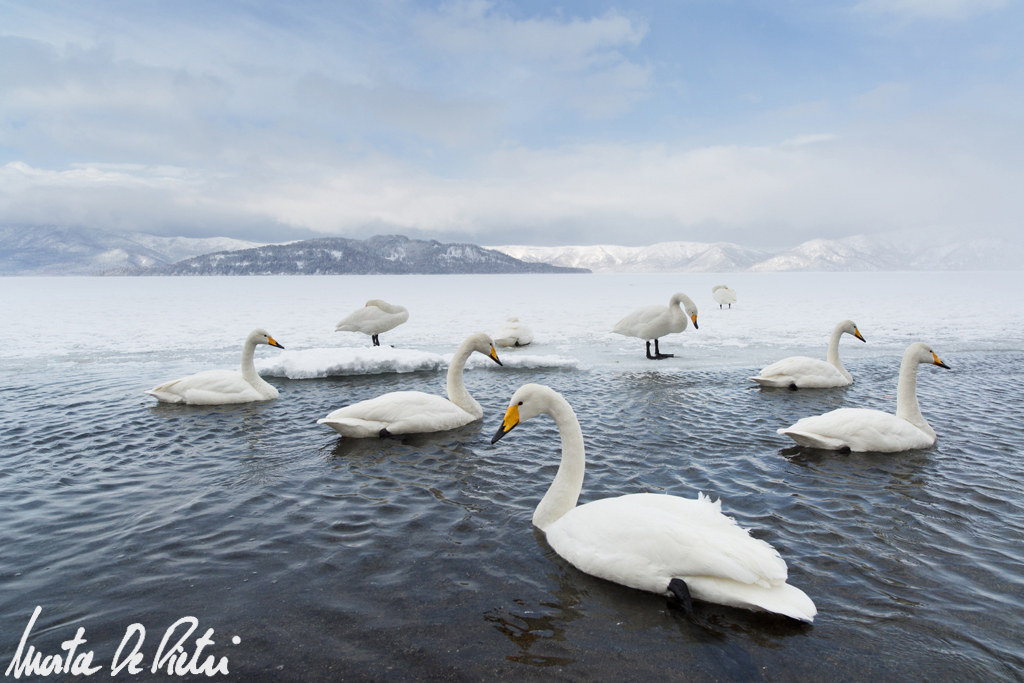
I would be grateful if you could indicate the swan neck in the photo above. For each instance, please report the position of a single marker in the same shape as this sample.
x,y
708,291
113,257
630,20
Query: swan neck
x,y
833,350
907,406
248,367
564,491
457,392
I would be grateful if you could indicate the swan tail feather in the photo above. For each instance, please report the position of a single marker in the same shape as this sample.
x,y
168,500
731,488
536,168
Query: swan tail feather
x,y
811,440
780,598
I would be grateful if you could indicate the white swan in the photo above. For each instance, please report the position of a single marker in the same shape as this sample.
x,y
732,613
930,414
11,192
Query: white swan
x,y
652,322
413,412
652,542
215,387
513,333
376,317
723,295
812,373
860,429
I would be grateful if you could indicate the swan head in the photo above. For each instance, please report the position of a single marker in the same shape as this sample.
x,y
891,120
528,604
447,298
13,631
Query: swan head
x,y
688,306
530,400
923,353
261,336
482,343
849,327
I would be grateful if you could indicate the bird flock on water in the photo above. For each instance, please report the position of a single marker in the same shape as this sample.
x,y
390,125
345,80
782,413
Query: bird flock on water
x,y
687,549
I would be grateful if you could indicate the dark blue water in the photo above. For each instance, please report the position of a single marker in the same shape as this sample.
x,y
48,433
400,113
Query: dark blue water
x,y
415,557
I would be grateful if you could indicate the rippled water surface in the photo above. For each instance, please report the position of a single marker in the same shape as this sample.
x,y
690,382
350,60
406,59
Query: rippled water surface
x,y
415,557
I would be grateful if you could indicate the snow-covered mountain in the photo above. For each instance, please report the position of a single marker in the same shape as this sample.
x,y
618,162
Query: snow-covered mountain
x,y
858,253
382,254
49,250
33,250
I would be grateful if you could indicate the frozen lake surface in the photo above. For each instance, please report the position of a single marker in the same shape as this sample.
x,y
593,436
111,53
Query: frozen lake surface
x,y
415,557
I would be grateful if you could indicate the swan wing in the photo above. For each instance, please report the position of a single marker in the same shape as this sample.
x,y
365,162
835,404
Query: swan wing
x,y
858,429
650,322
400,412
646,540
802,371
212,387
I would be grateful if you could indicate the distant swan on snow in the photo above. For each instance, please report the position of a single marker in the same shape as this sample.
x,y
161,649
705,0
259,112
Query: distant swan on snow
x,y
651,322
215,387
653,542
412,412
803,372
723,295
513,333
863,430
375,318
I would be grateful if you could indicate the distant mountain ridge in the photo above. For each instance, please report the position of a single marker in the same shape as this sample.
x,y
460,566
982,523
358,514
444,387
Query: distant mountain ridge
x,y
383,254
52,250
857,253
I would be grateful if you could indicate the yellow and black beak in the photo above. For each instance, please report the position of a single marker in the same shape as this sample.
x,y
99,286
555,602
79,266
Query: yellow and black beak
x,y
694,319
273,342
510,421
936,361
857,334
493,355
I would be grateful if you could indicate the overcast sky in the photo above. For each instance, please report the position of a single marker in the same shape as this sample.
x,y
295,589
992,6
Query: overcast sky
x,y
759,122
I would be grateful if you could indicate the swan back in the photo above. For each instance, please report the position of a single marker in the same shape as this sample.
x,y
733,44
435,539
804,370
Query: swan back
x,y
375,317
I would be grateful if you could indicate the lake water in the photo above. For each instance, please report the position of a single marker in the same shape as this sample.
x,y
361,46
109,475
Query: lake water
x,y
415,557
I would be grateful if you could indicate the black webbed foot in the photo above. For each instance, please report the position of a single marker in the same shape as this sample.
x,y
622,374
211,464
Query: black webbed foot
x,y
679,589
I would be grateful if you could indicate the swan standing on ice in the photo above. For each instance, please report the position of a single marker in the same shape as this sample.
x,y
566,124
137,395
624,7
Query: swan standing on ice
x,y
374,318
413,412
651,322
803,372
215,387
723,295
864,430
652,542
513,333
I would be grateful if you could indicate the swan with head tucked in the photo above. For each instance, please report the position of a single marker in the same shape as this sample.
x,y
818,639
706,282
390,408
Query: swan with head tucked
x,y
864,430
803,372
215,387
651,322
723,295
413,412
653,542
513,333
375,318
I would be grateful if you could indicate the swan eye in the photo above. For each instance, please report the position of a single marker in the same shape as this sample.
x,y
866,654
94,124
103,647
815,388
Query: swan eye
x,y
520,403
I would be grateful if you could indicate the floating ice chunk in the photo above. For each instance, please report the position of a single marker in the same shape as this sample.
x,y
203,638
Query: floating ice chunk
x,y
375,360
